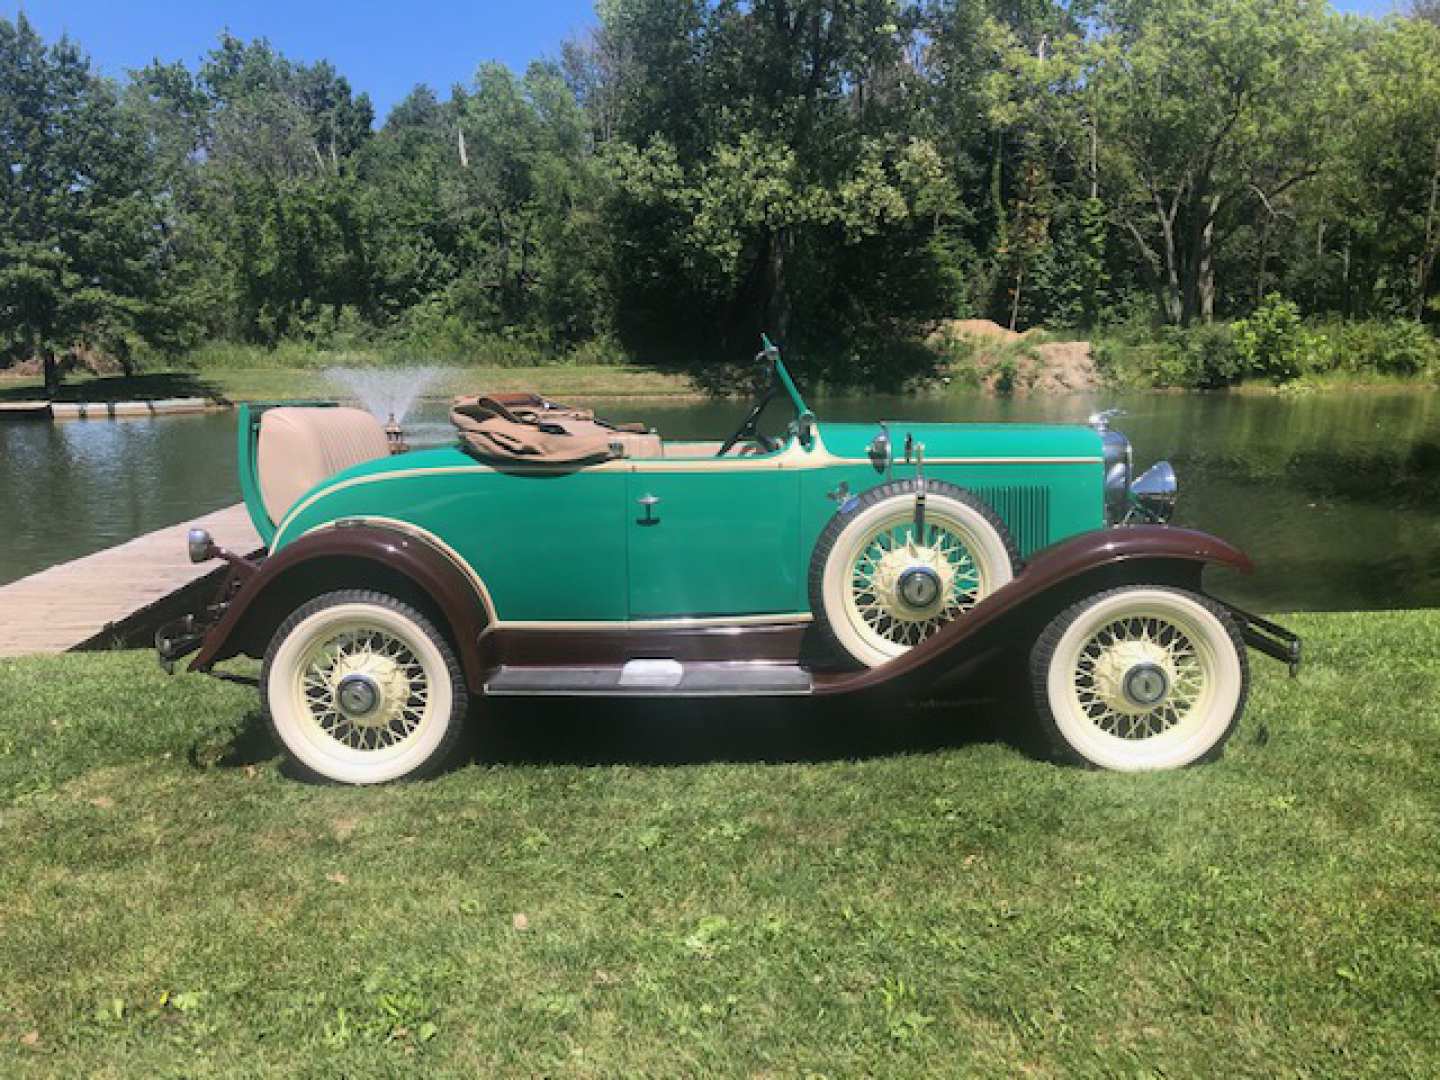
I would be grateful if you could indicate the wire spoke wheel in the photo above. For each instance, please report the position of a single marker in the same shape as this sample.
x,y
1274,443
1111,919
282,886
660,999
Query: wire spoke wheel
x,y
361,688
365,688
1129,645
1144,677
891,549
879,585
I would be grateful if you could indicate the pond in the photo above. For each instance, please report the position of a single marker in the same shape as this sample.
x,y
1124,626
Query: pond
x,y
1337,498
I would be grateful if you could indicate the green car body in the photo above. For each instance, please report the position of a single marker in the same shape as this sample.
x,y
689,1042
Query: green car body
x,y
729,537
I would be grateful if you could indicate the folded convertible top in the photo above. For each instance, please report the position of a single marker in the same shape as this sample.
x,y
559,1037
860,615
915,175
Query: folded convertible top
x,y
528,429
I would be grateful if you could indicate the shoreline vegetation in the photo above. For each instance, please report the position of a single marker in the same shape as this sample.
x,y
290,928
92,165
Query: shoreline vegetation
x,y
614,894
1273,351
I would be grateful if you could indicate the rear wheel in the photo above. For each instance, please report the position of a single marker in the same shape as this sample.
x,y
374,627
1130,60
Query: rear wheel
x,y
361,688
1139,678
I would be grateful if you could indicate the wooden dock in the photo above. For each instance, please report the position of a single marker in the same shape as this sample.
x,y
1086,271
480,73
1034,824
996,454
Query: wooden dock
x,y
116,595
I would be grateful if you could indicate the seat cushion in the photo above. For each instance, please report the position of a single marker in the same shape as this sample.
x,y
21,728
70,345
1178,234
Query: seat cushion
x,y
301,446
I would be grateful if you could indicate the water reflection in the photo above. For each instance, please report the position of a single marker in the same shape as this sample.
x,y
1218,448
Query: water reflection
x,y
1337,499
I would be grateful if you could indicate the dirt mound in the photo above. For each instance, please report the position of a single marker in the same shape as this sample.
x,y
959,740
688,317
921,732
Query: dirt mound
x,y
1004,362
1064,366
986,329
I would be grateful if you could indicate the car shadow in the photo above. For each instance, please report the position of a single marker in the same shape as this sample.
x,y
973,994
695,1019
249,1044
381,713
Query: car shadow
x,y
692,732
538,731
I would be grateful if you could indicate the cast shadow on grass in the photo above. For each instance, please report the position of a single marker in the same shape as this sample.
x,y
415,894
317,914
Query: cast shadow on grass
x,y
744,730
597,732
152,387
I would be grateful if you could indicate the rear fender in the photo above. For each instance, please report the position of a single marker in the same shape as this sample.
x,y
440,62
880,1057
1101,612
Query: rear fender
x,y
1054,578
353,556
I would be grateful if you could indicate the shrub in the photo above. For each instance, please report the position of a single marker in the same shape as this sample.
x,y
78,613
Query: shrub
x,y
1398,347
1273,342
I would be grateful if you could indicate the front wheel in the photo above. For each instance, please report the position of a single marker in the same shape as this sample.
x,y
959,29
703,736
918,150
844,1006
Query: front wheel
x,y
360,688
1139,678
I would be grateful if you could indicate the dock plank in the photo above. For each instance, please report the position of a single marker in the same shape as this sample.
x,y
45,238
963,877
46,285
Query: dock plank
x,y
75,603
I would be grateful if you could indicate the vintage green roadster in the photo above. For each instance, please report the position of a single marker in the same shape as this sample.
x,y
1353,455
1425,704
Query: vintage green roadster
x,y
548,553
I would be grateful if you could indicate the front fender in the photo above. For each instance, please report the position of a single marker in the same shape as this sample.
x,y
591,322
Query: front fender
x,y
350,556
1054,578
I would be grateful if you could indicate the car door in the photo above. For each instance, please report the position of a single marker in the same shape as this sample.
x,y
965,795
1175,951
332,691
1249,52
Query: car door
x,y
714,539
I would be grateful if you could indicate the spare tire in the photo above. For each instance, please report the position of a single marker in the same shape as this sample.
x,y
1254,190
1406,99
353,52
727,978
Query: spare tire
x,y
876,591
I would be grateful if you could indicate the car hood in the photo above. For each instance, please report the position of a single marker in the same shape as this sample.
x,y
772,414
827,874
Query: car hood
x,y
1023,441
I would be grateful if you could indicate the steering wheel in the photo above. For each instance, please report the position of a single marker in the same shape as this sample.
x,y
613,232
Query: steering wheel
x,y
748,429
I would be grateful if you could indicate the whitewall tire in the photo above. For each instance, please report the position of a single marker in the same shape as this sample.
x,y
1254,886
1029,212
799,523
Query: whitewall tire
x,y
1139,678
360,688
877,589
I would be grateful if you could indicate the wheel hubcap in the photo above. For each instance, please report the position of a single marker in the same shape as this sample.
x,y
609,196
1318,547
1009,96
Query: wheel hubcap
x,y
918,587
903,590
365,689
357,695
1146,685
1138,677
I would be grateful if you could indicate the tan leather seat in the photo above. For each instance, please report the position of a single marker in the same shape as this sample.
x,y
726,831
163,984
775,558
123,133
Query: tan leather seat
x,y
299,447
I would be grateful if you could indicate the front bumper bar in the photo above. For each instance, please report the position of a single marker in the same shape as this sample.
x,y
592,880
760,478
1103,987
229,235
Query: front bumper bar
x,y
1267,637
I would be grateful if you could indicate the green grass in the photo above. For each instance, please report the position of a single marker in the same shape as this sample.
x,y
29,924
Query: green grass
x,y
270,383
175,906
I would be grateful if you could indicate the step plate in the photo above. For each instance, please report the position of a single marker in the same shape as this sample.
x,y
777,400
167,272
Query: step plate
x,y
652,678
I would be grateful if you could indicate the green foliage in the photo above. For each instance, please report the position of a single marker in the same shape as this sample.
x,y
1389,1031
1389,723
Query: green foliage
x,y
1273,342
79,259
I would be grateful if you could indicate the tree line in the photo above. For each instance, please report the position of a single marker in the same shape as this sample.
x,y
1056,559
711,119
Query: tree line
x,y
838,173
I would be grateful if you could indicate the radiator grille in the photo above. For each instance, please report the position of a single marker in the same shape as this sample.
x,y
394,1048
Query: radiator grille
x,y
1025,510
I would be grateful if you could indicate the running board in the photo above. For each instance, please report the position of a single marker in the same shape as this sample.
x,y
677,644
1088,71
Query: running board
x,y
652,678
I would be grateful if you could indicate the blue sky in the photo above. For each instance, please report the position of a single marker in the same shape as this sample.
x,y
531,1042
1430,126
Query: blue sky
x,y
382,48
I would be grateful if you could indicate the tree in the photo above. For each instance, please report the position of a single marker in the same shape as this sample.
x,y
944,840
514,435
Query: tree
x,y
764,177
78,258
1389,168
1207,110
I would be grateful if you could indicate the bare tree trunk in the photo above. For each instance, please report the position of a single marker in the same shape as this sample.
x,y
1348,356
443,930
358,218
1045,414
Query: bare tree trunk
x,y
1172,290
52,373
1015,301
1206,276
777,296
1094,160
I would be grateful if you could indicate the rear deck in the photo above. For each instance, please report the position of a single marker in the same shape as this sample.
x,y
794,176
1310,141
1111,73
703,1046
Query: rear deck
x,y
115,596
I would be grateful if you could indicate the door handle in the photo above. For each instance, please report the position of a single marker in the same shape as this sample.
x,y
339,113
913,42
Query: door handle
x,y
649,502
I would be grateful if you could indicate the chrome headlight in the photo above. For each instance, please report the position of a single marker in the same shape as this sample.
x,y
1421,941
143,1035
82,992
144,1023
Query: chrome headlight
x,y
1119,462
1156,490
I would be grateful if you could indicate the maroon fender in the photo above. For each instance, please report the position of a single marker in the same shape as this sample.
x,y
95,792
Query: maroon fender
x,y
1054,578
360,556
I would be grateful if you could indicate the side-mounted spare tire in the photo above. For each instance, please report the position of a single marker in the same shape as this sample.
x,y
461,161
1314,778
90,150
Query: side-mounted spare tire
x,y
877,590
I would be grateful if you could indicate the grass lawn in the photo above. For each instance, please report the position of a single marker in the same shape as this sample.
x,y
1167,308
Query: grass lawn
x,y
269,383
681,894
